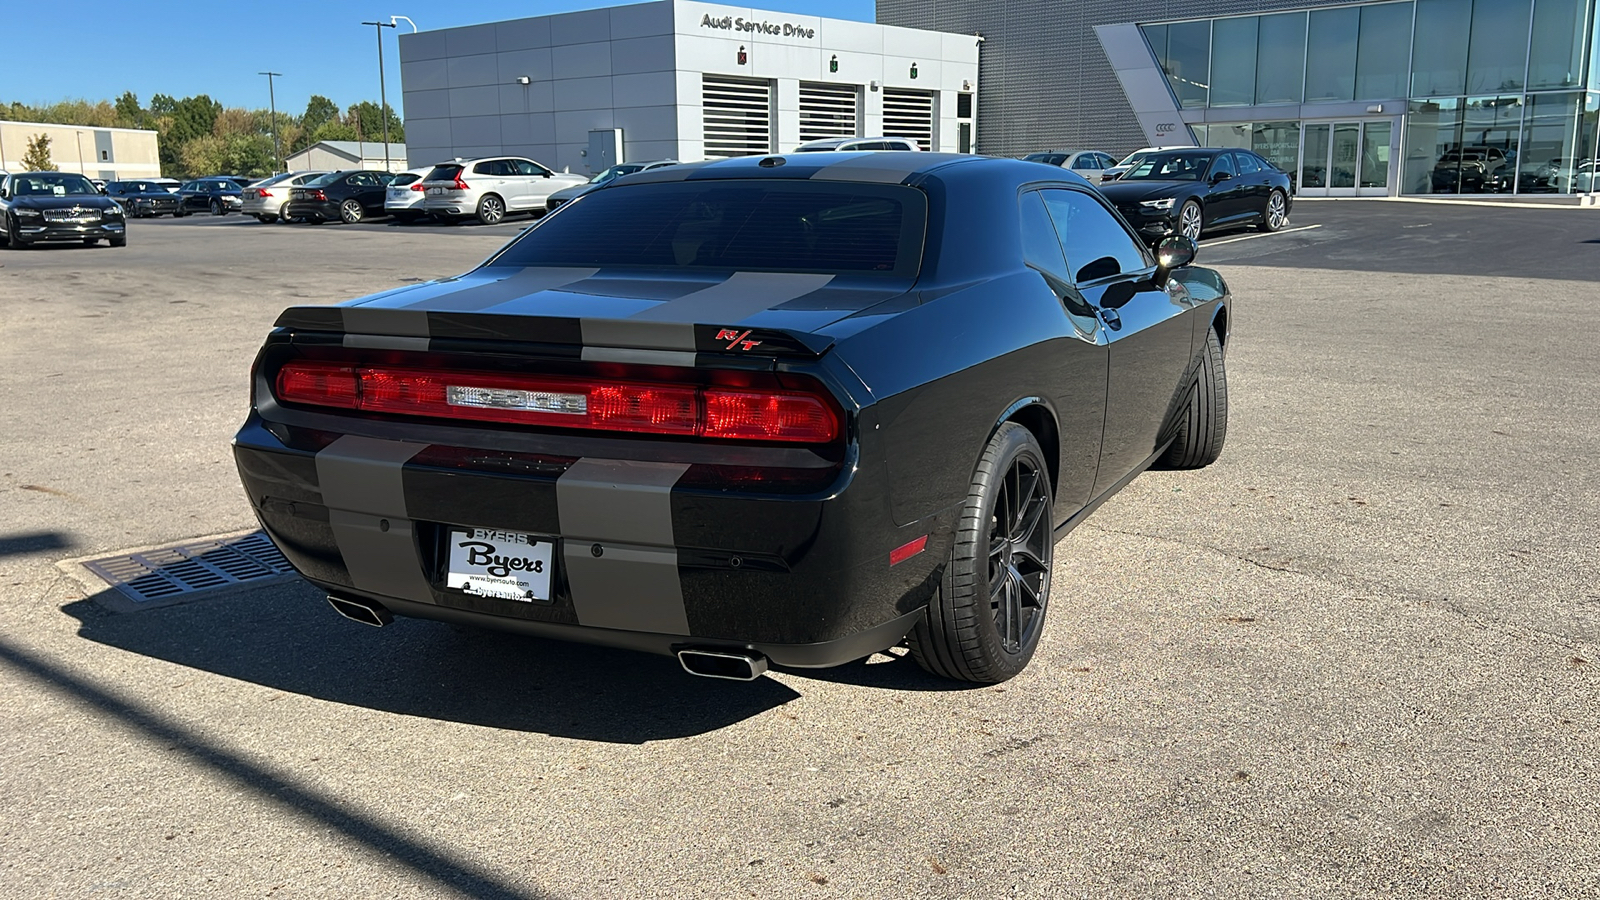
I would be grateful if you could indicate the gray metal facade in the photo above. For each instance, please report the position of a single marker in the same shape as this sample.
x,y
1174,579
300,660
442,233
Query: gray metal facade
x,y
1044,80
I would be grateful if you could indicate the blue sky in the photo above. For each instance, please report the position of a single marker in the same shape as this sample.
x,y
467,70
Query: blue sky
x,y
154,46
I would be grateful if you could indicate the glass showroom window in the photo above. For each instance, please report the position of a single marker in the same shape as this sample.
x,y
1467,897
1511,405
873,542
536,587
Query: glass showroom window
x,y
1557,46
1384,51
1281,58
1491,132
1331,54
1497,55
1552,159
1439,57
1187,61
1433,139
1233,61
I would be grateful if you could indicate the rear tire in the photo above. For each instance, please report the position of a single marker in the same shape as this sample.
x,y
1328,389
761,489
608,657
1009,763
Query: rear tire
x,y
1203,428
350,212
119,241
1276,215
266,219
216,207
491,210
987,615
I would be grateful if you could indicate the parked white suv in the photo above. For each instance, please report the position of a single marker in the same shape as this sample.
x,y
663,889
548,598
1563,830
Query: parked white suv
x,y
490,188
858,143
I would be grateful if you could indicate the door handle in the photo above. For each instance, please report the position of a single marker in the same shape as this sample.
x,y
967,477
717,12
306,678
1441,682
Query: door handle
x,y
1110,317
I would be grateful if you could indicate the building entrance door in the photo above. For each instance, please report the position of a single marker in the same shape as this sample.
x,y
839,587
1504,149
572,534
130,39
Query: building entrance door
x,y
1345,159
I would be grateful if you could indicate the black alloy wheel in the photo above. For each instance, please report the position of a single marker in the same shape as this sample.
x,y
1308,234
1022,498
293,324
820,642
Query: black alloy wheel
x,y
1276,215
1190,221
350,211
984,622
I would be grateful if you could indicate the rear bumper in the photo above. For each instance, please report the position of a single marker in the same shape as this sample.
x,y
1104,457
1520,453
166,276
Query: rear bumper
x,y
307,209
262,207
643,560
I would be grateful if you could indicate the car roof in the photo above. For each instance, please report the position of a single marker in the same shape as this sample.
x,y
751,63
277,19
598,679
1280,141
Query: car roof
x,y
871,166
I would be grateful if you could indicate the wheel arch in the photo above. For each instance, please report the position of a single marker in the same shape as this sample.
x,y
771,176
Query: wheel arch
x,y
1034,414
1219,324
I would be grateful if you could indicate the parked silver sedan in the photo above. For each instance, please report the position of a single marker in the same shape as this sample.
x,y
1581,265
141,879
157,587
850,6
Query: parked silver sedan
x,y
266,199
1088,163
606,177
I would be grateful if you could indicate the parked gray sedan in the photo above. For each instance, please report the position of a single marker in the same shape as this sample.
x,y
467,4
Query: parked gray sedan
x,y
266,199
606,177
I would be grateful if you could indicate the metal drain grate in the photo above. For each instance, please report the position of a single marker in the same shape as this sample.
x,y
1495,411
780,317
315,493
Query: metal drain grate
x,y
191,568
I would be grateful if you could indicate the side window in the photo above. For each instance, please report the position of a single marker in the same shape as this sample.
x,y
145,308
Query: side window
x,y
362,179
1041,250
1223,165
484,168
1083,162
524,167
1106,161
1095,242
1247,163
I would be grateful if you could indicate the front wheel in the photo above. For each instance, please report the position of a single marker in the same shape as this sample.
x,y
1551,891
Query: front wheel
x,y
986,617
1190,220
1276,214
121,241
1203,428
350,212
491,210
216,207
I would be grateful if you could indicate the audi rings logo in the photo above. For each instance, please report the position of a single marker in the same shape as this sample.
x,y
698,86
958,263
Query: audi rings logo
x,y
1164,128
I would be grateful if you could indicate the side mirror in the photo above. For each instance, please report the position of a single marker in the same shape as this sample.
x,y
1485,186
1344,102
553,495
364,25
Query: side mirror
x,y
1220,177
1173,252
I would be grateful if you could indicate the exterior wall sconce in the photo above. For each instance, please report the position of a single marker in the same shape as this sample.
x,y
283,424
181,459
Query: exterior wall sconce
x,y
833,63
743,57
873,85
913,70
1375,108
523,79
966,85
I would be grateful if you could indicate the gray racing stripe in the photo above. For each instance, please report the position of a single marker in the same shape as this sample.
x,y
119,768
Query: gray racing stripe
x,y
624,508
382,342
743,295
361,484
377,320
874,167
530,280
636,334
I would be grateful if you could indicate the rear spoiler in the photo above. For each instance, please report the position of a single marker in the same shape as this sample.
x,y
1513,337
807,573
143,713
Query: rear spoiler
x,y
618,340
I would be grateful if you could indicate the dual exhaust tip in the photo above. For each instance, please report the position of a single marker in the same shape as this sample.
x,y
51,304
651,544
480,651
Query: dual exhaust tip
x,y
728,665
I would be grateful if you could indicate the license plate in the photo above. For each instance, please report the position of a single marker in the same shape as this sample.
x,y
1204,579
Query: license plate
x,y
507,565
436,192
397,193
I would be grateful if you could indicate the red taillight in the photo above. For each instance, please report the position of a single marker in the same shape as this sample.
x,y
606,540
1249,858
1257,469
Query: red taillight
x,y
263,192
417,186
460,185
609,405
317,194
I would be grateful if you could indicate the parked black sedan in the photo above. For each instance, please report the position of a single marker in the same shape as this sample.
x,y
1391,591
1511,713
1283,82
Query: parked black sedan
x,y
1188,192
40,207
219,196
347,196
795,408
141,199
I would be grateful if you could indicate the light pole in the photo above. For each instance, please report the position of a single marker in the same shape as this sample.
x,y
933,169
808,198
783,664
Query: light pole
x,y
408,22
383,98
272,98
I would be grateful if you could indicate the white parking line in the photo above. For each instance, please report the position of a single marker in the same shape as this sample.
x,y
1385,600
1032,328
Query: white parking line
x,y
1248,237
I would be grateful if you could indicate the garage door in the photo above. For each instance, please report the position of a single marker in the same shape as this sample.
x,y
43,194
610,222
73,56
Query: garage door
x,y
908,114
738,116
827,110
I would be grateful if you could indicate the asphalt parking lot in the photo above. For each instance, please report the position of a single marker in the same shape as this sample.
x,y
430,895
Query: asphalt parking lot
x,y
1357,657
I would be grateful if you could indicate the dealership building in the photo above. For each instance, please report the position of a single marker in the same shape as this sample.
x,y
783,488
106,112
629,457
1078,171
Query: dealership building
x,y
1386,99
681,80
1352,99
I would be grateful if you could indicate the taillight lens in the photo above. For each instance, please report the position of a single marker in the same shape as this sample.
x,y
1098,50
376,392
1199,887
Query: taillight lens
x,y
460,185
417,186
318,195
609,405
262,192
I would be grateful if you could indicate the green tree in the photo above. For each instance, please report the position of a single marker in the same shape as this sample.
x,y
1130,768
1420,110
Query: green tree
x,y
319,112
369,120
129,113
195,117
37,159
163,105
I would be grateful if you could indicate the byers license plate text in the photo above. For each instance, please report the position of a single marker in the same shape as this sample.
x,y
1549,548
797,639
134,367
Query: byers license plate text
x,y
503,564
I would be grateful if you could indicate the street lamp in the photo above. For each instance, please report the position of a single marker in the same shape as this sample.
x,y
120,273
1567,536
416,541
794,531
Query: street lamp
x,y
383,98
408,22
272,98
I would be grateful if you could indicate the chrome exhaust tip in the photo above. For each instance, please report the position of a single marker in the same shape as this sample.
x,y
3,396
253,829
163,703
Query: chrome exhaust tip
x,y
364,611
730,665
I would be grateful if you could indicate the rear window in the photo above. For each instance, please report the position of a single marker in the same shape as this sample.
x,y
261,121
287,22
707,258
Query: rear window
x,y
443,173
404,178
746,225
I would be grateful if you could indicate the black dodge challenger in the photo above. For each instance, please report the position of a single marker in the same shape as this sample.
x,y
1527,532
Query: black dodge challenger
x,y
792,408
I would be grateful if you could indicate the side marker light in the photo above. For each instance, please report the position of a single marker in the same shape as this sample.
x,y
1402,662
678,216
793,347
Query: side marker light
x,y
905,551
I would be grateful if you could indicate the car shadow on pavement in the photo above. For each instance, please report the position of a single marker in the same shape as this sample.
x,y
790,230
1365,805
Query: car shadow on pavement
x,y
33,542
286,637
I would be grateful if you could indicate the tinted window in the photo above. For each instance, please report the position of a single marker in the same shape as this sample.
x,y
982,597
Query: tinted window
x,y
363,179
1041,249
1223,166
1086,161
747,225
404,178
1176,165
523,167
446,172
1095,242
1248,164
53,183
325,180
